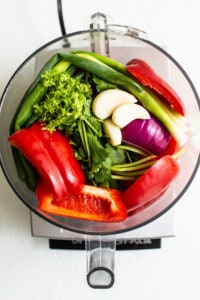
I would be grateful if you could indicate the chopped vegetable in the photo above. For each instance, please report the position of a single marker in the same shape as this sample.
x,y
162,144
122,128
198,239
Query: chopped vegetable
x,y
91,203
105,102
171,148
148,134
126,113
148,77
52,156
113,132
152,183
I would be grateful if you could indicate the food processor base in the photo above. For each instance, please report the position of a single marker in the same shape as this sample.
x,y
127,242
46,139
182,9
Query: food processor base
x,y
146,237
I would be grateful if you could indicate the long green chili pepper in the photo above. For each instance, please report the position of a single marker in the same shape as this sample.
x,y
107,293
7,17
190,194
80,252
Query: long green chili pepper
x,y
27,107
37,91
17,122
31,120
48,66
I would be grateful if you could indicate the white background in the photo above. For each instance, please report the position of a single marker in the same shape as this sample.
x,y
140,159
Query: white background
x,y
28,268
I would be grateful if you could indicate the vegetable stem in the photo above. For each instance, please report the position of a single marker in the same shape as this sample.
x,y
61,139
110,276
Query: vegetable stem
x,y
131,173
92,127
139,164
134,166
84,139
123,177
134,149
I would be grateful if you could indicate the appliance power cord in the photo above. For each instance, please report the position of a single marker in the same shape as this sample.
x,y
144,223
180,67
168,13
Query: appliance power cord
x,y
60,17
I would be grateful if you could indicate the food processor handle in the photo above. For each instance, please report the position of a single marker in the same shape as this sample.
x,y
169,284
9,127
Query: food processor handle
x,y
100,261
101,23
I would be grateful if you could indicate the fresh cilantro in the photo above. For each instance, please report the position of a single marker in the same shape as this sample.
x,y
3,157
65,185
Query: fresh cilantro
x,y
102,156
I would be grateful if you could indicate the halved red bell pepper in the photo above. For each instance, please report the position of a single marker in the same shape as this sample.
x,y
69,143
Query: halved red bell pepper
x,y
145,74
52,156
91,203
152,183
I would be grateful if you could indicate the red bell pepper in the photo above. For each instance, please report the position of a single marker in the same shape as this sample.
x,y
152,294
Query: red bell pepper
x,y
171,148
145,74
52,156
91,203
152,183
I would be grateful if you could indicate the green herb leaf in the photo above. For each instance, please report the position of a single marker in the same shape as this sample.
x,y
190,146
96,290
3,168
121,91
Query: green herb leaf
x,y
65,101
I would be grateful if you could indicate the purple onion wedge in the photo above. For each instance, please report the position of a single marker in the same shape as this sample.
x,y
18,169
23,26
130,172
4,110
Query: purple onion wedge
x,y
148,134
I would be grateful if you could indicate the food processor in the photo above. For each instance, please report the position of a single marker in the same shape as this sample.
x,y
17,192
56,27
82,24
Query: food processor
x,y
142,228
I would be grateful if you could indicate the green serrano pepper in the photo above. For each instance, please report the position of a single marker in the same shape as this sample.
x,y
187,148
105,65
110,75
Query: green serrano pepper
x,y
37,90
48,66
27,107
